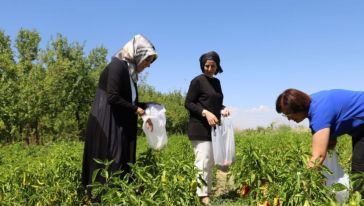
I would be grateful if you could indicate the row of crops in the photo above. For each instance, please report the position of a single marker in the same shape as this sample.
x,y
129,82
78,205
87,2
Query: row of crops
x,y
269,170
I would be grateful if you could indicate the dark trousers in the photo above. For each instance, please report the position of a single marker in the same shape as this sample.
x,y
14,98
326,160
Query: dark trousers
x,y
357,164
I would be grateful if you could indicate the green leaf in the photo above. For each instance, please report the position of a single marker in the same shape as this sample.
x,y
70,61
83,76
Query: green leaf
x,y
338,187
94,174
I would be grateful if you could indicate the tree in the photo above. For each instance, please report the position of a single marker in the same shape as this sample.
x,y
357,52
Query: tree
x,y
70,85
8,87
30,78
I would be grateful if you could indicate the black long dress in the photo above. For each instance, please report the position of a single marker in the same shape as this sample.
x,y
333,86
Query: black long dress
x,y
112,124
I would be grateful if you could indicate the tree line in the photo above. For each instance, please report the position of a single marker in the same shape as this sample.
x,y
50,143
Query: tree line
x,y
46,93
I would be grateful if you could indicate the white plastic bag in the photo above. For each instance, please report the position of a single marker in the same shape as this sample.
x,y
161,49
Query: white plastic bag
x,y
223,142
157,138
338,176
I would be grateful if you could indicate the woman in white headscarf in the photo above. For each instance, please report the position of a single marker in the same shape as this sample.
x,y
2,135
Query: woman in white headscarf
x,y
112,126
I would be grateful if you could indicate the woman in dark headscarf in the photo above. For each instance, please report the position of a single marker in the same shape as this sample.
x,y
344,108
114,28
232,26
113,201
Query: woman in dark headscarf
x,y
204,101
112,126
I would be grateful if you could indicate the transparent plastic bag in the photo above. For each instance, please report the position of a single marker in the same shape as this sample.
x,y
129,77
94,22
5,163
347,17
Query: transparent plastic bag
x,y
157,138
338,176
223,142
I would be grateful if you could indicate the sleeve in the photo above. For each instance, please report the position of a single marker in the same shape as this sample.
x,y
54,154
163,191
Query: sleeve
x,y
192,98
117,78
322,116
142,105
222,107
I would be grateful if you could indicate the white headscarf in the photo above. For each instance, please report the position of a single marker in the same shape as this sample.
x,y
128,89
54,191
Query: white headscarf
x,y
134,52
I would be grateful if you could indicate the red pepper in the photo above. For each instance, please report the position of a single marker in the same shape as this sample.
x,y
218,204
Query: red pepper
x,y
244,190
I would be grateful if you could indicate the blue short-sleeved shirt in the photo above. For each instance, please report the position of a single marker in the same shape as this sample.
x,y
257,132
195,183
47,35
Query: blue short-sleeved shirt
x,y
336,109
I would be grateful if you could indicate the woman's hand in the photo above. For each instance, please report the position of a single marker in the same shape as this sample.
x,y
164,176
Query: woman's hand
x,y
140,111
211,118
149,125
148,121
225,112
320,143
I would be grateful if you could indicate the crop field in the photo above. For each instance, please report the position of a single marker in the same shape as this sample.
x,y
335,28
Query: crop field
x,y
270,169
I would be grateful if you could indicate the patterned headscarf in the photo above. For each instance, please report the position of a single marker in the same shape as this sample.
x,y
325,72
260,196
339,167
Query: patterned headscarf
x,y
134,52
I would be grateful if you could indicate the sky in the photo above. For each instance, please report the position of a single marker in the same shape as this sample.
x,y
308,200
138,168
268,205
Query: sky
x,y
265,46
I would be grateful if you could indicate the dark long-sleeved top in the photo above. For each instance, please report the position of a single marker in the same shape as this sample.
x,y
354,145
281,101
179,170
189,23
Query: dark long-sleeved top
x,y
204,93
115,80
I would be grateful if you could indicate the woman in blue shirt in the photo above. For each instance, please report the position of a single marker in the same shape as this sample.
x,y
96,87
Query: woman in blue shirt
x,y
331,114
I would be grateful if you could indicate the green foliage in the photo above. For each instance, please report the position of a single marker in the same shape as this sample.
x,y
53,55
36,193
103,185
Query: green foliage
x,y
68,86
153,181
45,175
27,43
271,163
8,87
96,61
51,175
29,94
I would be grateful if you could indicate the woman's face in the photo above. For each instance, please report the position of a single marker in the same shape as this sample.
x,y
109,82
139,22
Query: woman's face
x,y
297,117
144,64
210,68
